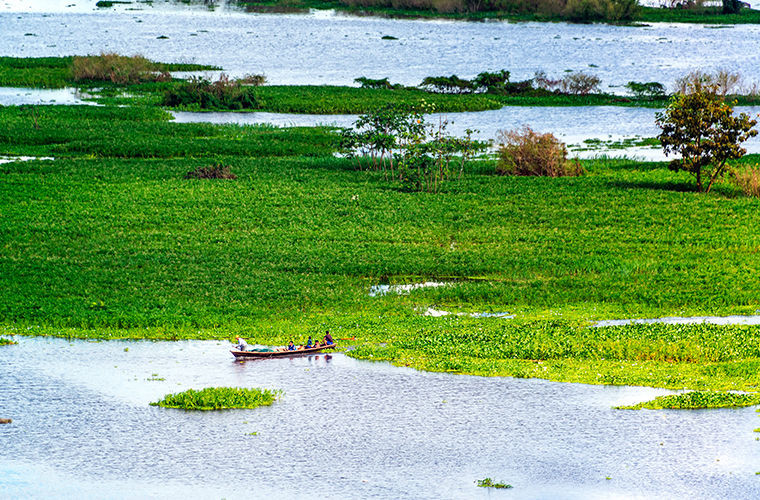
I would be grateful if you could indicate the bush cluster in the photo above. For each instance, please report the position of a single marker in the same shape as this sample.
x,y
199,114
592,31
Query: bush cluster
x,y
485,82
225,93
575,83
526,152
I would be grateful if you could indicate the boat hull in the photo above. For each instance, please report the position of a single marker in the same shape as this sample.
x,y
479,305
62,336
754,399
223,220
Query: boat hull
x,y
279,354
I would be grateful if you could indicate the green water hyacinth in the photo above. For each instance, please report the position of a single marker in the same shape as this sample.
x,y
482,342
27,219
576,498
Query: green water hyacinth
x,y
219,398
695,400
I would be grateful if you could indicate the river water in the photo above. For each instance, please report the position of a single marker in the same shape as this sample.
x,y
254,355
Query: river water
x,y
328,48
82,428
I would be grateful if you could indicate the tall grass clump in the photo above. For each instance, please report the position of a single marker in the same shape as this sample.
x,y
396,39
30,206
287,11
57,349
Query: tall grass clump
x,y
748,180
218,398
215,171
526,152
201,93
115,68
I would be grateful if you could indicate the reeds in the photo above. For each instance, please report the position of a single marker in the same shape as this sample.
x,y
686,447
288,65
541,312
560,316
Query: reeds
x,y
747,178
115,68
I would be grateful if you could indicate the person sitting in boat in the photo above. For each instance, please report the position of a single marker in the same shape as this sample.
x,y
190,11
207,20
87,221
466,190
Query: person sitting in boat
x,y
291,346
309,343
242,345
317,344
328,339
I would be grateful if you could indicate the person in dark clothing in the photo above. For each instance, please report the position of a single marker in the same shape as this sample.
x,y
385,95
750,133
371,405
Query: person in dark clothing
x,y
328,338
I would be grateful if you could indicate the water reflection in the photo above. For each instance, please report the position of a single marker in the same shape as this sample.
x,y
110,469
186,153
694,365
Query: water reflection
x,y
81,422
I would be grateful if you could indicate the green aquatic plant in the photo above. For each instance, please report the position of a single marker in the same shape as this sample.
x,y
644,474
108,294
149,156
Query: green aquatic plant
x,y
489,483
4,341
694,400
219,398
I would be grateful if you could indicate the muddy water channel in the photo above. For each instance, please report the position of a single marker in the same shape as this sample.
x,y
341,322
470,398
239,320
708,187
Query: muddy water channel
x,y
82,426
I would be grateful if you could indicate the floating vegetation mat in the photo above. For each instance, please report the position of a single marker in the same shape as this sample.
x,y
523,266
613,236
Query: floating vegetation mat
x,y
696,400
219,398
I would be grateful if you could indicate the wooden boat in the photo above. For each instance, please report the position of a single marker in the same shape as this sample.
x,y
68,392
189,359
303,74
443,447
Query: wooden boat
x,y
278,354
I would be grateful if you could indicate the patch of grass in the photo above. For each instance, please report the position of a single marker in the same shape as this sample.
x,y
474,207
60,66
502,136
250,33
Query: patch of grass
x,y
58,72
219,398
697,400
88,131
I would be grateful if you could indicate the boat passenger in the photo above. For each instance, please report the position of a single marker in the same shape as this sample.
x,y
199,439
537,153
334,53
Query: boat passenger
x,y
291,346
328,338
317,344
309,343
242,345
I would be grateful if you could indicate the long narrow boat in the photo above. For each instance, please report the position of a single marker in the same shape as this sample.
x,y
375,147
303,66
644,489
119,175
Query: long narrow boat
x,y
279,354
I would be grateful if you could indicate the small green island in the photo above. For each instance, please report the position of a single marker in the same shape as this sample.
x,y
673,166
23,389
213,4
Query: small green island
x,y
219,398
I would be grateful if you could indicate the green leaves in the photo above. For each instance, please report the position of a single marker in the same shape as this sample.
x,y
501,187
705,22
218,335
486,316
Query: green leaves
x,y
696,400
700,128
219,398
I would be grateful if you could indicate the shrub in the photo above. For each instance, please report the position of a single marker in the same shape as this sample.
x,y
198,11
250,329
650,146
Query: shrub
x,y
400,143
542,81
748,180
525,152
725,82
111,67
579,83
701,129
447,84
253,80
369,83
215,171
651,90
204,94
492,83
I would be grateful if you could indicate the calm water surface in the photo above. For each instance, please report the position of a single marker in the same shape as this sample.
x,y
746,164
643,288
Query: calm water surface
x,y
82,426
572,125
323,47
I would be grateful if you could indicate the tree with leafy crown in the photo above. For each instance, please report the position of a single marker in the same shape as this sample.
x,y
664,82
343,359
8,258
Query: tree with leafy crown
x,y
700,127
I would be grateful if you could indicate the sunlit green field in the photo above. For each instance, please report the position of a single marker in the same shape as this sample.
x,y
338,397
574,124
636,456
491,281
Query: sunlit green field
x,y
111,241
